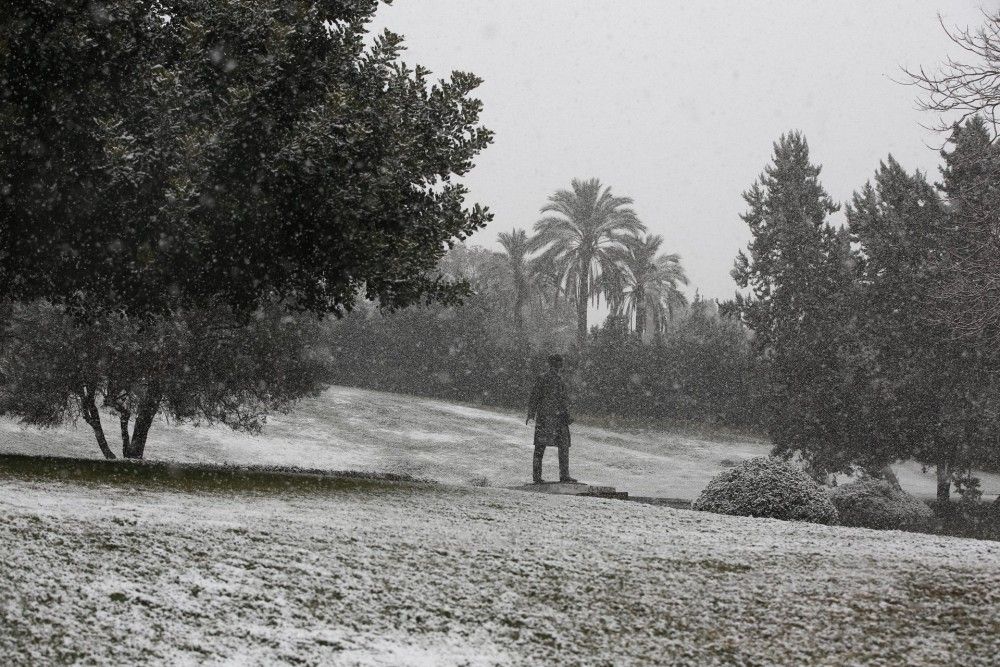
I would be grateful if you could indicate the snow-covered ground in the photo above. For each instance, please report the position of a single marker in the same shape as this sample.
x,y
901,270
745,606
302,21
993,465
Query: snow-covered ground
x,y
354,429
377,573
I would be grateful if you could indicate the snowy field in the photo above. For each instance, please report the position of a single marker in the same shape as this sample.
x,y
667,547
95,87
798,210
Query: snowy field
x,y
354,429
102,569
379,573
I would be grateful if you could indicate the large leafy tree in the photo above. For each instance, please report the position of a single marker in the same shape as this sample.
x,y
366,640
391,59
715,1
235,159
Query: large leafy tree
x,y
650,285
157,154
589,231
797,281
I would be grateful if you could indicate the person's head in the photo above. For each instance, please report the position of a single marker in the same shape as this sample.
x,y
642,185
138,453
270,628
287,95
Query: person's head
x,y
555,361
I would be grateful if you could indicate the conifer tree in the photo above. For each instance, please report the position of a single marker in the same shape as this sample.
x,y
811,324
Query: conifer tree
x,y
912,373
969,184
928,394
797,279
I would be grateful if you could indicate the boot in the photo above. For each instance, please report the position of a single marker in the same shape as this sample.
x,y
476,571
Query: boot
x,y
536,466
564,465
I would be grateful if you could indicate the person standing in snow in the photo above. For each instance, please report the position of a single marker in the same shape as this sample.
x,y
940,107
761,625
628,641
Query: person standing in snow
x,y
549,407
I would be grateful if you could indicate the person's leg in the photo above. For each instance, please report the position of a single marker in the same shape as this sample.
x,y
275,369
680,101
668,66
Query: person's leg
x,y
564,463
564,455
536,464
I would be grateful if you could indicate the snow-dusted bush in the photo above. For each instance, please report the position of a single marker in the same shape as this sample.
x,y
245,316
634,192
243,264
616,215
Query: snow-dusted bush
x,y
874,503
767,487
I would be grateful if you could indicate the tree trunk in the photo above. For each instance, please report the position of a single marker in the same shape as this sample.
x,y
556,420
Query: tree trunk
x,y
640,312
884,473
136,448
93,418
519,303
582,299
943,482
123,419
889,475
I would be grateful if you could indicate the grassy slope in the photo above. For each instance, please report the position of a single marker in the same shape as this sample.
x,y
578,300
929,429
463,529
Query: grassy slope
x,y
355,429
133,566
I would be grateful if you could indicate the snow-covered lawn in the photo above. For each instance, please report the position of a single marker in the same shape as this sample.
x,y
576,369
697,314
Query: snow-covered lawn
x,y
409,574
354,429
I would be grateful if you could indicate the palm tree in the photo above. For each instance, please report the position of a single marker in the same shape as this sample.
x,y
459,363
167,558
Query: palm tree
x,y
588,231
515,245
547,276
650,285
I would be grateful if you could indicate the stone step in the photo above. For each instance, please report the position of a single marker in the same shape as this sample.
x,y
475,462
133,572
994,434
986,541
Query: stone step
x,y
574,489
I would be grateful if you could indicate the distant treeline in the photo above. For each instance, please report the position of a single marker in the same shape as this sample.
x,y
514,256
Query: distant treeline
x,y
698,369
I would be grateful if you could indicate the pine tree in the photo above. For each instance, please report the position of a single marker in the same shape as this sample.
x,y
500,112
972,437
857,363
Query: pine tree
x,y
970,181
903,354
967,301
796,270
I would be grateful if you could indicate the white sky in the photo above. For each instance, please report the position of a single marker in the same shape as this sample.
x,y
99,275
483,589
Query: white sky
x,y
676,103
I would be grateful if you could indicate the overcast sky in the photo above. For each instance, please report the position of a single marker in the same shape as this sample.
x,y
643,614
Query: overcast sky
x,y
677,103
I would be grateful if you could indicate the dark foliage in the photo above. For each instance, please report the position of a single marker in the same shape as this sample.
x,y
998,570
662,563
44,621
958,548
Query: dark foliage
x,y
198,366
796,272
699,371
928,394
156,153
875,503
979,520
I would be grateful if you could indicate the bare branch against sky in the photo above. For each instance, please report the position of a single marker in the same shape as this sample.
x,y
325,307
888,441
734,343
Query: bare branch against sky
x,y
676,104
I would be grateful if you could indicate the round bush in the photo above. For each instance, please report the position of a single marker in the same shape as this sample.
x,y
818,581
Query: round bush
x,y
767,487
874,503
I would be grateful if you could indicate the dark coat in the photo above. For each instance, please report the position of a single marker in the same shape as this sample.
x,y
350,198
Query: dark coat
x,y
549,407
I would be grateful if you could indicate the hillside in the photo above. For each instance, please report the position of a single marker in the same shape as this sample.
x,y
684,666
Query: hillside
x,y
354,429
378,573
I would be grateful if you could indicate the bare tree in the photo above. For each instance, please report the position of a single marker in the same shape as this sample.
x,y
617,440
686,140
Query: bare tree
x,y
964,91
965,86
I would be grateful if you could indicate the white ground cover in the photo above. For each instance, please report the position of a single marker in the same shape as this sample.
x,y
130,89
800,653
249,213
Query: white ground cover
x,y
401,574
354,429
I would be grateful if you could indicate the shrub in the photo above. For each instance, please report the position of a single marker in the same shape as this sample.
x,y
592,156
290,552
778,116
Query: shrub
x,y
874,503
767,487
979,520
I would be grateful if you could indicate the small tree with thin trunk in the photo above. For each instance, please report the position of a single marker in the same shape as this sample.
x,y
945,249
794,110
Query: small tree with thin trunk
x,y
203,366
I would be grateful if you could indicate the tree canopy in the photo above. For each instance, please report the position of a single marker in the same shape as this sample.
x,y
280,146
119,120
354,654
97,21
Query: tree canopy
x,y
174,153
797,275
587,230
204,366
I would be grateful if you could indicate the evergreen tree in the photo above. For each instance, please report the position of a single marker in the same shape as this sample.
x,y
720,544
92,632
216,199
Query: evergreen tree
x,y
202,366
796,272
902,354
970,180
927,394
